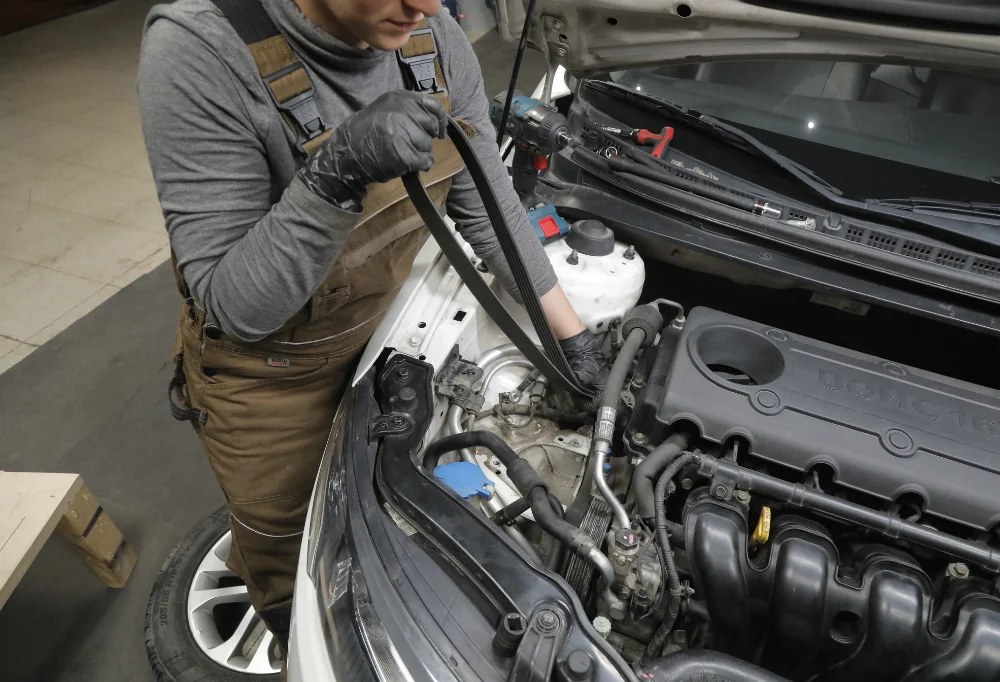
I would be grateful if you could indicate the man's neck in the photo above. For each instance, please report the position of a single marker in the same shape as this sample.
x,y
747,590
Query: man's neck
x,y
319,13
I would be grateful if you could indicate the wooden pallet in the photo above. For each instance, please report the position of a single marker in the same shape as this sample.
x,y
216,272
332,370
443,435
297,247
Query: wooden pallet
x,y
32,505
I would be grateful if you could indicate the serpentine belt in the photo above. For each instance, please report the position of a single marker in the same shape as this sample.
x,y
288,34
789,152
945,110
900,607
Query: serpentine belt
x,y
551,363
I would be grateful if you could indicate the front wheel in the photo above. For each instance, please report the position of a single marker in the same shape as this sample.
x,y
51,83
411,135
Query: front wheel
x,y
199,621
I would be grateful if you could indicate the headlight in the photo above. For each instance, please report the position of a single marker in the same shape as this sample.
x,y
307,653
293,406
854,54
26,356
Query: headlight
x,y
359,646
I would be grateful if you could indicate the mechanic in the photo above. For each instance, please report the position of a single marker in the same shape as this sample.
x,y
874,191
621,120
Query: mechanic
x,y
291,232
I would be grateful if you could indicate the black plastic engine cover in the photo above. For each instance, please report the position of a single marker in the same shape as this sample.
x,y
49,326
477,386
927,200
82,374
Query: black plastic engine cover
x,y
883,428
800,609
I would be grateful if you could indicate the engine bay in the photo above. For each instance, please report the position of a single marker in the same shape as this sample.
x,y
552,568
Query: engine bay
x,y
813,511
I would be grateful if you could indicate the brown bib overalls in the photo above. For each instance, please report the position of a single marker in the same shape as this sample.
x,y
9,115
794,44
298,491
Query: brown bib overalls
x,y
264,410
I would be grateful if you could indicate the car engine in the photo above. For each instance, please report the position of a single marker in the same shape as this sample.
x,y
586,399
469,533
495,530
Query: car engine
x,y
816,512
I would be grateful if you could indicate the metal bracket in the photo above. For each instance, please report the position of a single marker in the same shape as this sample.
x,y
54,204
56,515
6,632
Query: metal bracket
x,y
536,655
455,380
722,488
389,425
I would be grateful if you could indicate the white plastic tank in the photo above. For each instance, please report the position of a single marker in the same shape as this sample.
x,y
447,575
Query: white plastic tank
x,y
602,277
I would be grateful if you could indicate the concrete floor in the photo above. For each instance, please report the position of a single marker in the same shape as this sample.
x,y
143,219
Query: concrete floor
x,y
92,399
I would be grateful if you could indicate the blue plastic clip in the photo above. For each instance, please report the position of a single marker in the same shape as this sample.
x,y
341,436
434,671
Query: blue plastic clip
x,y
465,478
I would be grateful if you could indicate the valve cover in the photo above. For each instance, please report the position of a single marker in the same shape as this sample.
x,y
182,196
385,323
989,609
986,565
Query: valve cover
x,y
885,429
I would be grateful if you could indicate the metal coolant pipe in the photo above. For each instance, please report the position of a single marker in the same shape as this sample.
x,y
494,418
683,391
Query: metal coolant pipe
x,y
486,360
639,328
604,430
488,357
607,572
454,423
512,362
617,508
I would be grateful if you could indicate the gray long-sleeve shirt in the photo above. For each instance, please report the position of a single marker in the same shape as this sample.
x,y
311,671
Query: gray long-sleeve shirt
x,y
251,241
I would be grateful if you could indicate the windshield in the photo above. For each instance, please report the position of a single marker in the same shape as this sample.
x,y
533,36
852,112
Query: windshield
x,y
928,119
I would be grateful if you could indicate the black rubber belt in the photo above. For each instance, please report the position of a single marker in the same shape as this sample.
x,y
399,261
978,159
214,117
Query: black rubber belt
x,y
551,363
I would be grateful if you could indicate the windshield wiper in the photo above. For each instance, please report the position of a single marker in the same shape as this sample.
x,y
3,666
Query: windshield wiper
x,y
977,209
740,139
735,135
978,226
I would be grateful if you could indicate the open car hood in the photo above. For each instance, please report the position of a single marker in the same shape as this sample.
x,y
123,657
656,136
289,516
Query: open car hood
x,y
590,36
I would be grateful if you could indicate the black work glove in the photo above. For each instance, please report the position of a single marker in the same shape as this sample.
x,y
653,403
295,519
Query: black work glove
x,y
585,358
392,136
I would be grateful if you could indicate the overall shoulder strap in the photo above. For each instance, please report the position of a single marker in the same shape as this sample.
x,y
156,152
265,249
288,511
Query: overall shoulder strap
x,y
289,84
286,78
250,20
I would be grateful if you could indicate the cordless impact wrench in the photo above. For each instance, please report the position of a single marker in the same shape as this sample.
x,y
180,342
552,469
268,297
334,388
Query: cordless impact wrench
x,y
537,131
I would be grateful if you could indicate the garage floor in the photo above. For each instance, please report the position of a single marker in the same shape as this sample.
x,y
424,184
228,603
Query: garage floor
x,y
79,218
92,399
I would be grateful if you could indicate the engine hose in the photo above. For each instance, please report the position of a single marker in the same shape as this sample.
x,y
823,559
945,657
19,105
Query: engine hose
x,y
604,429
558,554
676,531
530,484
522,543
649,469
509,513
697,665
620,369
673,586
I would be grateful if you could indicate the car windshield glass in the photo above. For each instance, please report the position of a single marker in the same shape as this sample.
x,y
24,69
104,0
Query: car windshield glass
x,y
941,124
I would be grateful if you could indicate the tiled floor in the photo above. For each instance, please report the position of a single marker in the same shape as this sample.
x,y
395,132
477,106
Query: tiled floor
x,y
79,218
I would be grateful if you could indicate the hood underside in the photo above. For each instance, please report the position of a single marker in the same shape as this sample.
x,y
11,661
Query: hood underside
x,y
590,36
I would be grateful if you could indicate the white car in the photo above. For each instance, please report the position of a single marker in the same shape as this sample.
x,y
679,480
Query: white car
x,y
793,475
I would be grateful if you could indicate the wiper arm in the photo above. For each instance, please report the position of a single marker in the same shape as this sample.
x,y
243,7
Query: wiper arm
x,y
739,138
971,208
743,140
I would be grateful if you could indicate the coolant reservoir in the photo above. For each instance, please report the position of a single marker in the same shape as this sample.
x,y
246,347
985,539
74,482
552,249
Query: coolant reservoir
x,y
601,277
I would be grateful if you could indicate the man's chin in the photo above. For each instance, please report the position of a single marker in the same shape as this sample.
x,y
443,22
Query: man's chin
x,y
389,41
393,35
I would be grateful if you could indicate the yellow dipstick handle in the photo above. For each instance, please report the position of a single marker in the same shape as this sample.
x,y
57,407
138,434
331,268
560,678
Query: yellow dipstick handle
x,y
763,530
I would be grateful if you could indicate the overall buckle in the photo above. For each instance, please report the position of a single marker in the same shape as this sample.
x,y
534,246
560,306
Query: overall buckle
x,y
421,67
301,108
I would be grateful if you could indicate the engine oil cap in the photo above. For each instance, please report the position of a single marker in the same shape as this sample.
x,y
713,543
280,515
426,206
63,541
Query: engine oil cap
x,y
603,626
591,238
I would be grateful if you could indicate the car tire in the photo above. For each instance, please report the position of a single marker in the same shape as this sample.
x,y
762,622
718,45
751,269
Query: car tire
x,y
199,623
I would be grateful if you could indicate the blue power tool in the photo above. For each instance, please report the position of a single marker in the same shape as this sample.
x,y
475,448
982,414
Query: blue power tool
x,y
537,131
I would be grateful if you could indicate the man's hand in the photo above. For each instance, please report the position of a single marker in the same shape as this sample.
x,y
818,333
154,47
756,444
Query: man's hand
x,y
585,358
392,136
